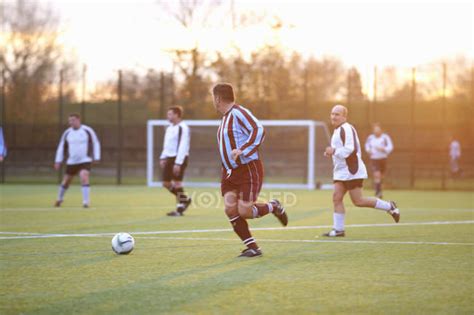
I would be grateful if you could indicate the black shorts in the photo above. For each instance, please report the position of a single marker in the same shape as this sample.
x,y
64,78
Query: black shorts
x,y
351,184
74,169
167,172
379,165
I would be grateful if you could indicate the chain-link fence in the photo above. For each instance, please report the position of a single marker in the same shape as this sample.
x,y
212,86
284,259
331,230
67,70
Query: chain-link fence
x,y
421,108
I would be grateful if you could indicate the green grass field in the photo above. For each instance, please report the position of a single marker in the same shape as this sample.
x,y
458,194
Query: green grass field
x,y
415,267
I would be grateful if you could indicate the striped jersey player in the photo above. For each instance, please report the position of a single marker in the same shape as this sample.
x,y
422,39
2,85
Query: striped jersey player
x,y
378,146
80,146
350,172
239,137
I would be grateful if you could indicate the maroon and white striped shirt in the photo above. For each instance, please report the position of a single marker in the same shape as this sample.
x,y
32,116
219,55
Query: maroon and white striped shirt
x,y
239,129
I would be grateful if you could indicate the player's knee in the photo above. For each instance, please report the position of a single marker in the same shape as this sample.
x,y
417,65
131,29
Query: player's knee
x,y
336,198
167,185
244,211
231,211
358,202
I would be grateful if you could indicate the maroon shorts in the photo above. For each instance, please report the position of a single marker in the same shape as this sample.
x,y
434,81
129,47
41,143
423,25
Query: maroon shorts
x,y
246,180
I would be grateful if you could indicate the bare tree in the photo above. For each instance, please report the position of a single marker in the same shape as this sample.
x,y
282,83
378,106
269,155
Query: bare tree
x,y
30,55
191,14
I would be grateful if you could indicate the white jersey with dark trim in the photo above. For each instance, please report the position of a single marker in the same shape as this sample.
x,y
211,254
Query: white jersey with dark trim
x,y
379,147
347,157
176,142
454,150
79,146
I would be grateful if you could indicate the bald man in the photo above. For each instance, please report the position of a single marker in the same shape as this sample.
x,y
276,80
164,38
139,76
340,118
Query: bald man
x,y
349,172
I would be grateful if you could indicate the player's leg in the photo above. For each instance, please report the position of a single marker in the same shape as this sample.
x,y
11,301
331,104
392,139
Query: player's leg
x,y
167,179
359,200
240,225
167,174
84,175
67,179
250,189
339,210
378,183
252,210
182,200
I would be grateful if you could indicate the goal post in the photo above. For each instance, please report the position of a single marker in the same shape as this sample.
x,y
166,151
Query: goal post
x,y
298,137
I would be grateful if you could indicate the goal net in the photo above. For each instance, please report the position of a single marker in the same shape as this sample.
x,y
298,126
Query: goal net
x,y
292,153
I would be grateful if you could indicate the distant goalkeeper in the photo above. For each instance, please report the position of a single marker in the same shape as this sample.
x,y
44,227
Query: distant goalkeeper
x,y
174,158
378,146
350,172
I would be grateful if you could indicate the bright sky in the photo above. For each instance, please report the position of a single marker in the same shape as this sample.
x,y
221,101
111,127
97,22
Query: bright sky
x,y
109,34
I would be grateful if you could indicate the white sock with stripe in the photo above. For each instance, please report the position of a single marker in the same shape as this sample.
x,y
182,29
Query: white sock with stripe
x,y
383,205
62,191
86,194
338,221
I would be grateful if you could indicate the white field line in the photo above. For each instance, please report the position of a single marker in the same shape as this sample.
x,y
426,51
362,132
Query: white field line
x,y
20,235
77,208
157,208
309,241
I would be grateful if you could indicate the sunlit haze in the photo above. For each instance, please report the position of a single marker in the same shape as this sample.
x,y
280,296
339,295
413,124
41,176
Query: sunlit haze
x,y
108,35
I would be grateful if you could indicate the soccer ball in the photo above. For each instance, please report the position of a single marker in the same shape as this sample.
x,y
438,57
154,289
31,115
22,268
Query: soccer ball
x,y
122,243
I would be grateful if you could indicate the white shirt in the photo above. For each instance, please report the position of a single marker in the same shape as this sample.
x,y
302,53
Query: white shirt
x,y
176,142
79,146
347,157
374,144
455,150
3,146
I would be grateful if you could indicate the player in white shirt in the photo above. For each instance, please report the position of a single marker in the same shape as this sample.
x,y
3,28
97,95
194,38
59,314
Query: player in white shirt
x,y
3,146
174,158
350,172
80,146
378,146
454,156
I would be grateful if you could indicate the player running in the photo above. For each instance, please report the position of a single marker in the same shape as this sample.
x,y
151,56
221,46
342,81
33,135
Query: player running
x,y
79,144
239,137
378,146
349,172
174,158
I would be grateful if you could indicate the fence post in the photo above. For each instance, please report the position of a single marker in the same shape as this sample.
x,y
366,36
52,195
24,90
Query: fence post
x,y
60,116
373,116
413,128
162,95
305,93
119,128
349,88
445,122
172,89
4,119
83,96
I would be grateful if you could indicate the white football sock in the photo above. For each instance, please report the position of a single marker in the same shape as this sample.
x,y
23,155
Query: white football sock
x,y
383,205
338,221
255,212
85,194
62,191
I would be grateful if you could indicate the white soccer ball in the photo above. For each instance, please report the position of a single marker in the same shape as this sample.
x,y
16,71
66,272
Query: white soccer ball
x,y
122,243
